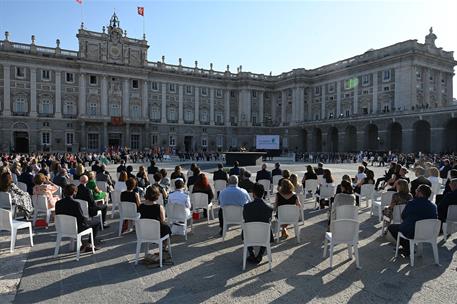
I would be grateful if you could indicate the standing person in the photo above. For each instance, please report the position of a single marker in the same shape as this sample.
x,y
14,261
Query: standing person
x,y
121,167
257,211
85,194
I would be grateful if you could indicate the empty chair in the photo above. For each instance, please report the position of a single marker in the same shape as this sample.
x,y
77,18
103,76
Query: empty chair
x,y
66,226
451,221
22,186
200,201
276,179
177,213
256,234
326,191
85,208
289,215
366,193
425,231
40,205
386,199
115,202
396,217
127,211
233,215
148,231
345,231
266,183
7,223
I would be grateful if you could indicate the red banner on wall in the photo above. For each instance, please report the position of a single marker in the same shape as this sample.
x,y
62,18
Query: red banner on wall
x,y
117,121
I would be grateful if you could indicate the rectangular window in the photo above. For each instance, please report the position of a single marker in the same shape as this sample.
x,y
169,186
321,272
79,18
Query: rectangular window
x,y
20,72
219,141
188,90
92,110
115,110
386,75
365,79
204,142
418,75
386,89
135,111
69,77
172,115
45,138
154,139
219,117
317,90
92,141
135,84
232,93
45,75
171,87
204,91
331,88
218,93
348,113
254,118
204,116
188,115
172,141
93,79
365,111
254,94
155,113
69,138
135,141
154,86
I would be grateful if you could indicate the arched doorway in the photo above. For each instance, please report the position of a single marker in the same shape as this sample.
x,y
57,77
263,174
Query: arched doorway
x,y
422,136
450,136
21,141
350,139
395,137
371,138
332,139
317,140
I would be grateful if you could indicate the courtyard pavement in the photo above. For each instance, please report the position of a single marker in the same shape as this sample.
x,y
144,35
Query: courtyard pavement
x,y
207,269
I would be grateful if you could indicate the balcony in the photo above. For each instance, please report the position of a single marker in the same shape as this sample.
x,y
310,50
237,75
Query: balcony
x,y
45,114
20,113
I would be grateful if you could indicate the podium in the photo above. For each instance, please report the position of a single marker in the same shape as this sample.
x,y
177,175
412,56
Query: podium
x,y
244,158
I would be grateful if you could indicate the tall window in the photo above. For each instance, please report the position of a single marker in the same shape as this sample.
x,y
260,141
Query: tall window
x,y
154,86
45,106
155,113
115,110
172,114
172,87
218,93
188,115
204,116
154,139
317,90
93,79
172,141
69,138
69,108
92,141
204,91
219,117
204,142
92,110
219,141
20,72
386,75
135,141
45,75
135,84
188,90
45,138
69,77
135,111
20,105
365,79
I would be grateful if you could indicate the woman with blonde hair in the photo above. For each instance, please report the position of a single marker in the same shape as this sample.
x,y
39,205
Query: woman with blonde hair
x,y
433,175
286,196
294,180
80,170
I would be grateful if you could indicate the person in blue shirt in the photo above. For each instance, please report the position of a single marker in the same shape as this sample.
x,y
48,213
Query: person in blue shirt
x,y
419,208
236,169
233,196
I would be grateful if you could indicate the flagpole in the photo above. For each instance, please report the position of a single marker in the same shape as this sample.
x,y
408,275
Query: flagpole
x,y
82,13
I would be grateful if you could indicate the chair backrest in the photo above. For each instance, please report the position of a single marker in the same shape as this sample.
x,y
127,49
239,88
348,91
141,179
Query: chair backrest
x,y
451,213
5,200
288,214
66,225
396,214
256,233
6,220
147,229
102,186
367,190
327,190
176,212
311,185
199,200
386,198
266,183
22,186
347,212
220,185
84,207
320,179
276,179
116,197
58,192
172,183
427,229
232,214
40,202
345,230
191,187
128,210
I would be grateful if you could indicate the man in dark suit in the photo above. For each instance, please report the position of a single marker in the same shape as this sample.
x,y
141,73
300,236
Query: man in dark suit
x,y
257,211
264,174
153,169
121,167
420,208
449,199
276,170
27,178
420,180
235,170
86,195
69,206
320,169
96,166
220,174
62,179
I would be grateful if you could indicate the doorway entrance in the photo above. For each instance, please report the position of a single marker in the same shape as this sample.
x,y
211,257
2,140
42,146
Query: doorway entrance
x,y
21,142
188,143
115,140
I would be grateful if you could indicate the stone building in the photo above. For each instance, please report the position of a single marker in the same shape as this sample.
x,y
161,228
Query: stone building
x,y
107,94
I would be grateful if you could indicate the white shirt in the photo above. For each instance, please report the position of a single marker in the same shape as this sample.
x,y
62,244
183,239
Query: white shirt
x,y
179,197
359,177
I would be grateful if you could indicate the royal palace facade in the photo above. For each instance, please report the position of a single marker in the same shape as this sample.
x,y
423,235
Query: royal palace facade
x,y
107,94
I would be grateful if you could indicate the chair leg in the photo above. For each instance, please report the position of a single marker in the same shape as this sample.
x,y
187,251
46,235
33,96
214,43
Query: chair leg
x,y
78,246
325,248
269,257
160,254
13,239
224,231
58,240
356,251
207,215
379,213
435,253
169,247
245,249
121,220
31,236
445,231
398,244
212,212
137,253
92,241
411,252
331,253
34,217
48,217
350,251
297,232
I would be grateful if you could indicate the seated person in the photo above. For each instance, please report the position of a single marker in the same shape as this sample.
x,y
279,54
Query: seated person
x,y
178,174
286,196
85,194
449,199
45,187
244,181
235,170
120,185
309,174
157,178
202,186
92,186
19,198
344,197
402,196
179,196
165,181
130,195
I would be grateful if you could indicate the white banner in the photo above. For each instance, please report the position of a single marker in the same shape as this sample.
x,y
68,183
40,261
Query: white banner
x,y
267,142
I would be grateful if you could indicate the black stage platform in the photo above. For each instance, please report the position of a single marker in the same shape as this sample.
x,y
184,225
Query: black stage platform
x,y
244,158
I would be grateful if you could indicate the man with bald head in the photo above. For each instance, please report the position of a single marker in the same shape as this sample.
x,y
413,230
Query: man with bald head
x,y
86,195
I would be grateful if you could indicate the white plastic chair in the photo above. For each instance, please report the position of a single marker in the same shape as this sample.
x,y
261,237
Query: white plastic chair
x,y
289,215
396,217
58,192
232,215
22,186
7,223
276,179
386,199
7,203
148,231
266,183
256,234
320,180
347,212
200,201
66,226
40,205
451,221
103,186
436,189
310,187
127,211
425,231
219,185
366,193
326,191
176,213
345,232
85,208
115,202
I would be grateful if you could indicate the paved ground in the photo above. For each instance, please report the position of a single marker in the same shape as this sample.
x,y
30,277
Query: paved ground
x,y
209,270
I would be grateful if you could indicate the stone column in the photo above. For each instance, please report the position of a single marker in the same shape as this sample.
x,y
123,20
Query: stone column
x,y
82,97
211,106
260,108
338,98
125,99
294,106
301,101
197,106
180,104
144,100
449,88
105,134
127,135
227,107
375,93
427,86
323,103
104,96
82,136
58,108
33,104
163,107
310,105
283,106
6,90
273,106
240,107
248,106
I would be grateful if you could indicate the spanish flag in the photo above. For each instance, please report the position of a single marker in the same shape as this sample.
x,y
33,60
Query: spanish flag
x,y
140,10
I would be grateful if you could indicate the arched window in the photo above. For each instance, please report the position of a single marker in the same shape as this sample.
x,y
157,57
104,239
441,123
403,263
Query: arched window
x,y
135,111
69,108
20,105
115,110
45,106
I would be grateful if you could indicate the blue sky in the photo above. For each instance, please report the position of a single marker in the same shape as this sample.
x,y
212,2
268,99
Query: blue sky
x,y
262,36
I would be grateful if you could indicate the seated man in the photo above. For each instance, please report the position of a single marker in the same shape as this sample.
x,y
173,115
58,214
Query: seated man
x,y
420,180
420,208
62,178
236,169
104,176
233,196
179,196
276,170
449,199
121,167
257,211
86,195
69,206
263,174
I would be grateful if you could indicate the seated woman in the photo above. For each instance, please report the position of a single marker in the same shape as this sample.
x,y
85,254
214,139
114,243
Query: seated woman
x,y
165,181
19,198
150,209
120,185
202,186
80,170
344,178
328,181
45,187
156,183
433,175
130,195
294,180
142,178
178,174
368,179
92,185
344,197
309,174
402,196
286,196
